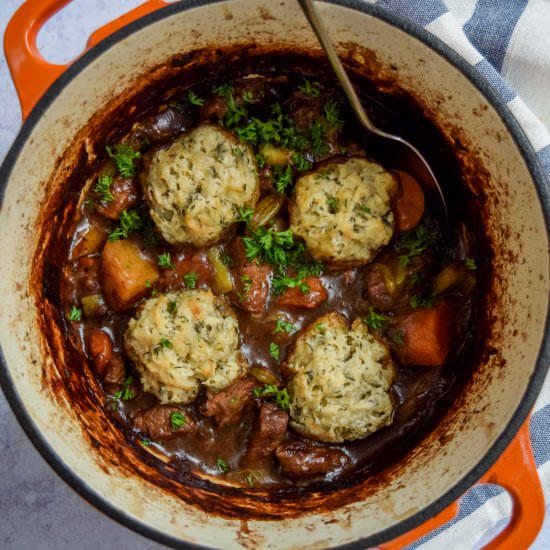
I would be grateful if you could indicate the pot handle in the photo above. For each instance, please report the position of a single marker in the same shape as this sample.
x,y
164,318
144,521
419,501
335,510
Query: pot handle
x,y
516,471
31,73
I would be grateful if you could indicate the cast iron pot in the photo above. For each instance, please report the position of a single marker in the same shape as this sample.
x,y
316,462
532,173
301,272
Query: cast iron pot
x,y
52,392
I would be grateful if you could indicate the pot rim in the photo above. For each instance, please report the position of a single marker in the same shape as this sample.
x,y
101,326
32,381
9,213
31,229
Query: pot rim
x,y
542,189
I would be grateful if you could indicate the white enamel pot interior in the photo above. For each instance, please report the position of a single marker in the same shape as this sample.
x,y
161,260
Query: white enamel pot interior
x,y
501,174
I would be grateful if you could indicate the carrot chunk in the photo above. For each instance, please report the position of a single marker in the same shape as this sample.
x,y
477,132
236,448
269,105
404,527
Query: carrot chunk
x,y
408,206
427,335
294,297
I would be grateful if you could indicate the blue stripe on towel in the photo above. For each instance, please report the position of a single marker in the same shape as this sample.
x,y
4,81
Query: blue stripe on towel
x,y
488,72
538,427
476,497
490,28
422,13
544,159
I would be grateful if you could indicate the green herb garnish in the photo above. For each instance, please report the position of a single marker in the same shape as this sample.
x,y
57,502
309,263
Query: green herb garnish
x,y
309,89
124,157
247,283
194,99
414,243
469,263
172,307
332,203
75,314
190,279
129,221
165,261
177,420
332,114
271,390
300,162
274,351
222,465
282,326
126,392
375,320
283,178
103,187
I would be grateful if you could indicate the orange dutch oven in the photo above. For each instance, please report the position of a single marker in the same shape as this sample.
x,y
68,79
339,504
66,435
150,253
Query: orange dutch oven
x,y
483,437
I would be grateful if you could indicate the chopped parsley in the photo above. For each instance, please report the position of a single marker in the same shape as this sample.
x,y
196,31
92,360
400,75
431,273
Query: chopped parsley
x,y
103,187
281,282
164,343
89,204
282,326
309,89
469,263
271,390
124,157
332,114
75,314
235,113
274,351
190,279
129,221
172,307
300,162
250,479
248,96
165,261
375,320
365,209
194,99
414,243
316,134
283,178
222,465
177,420
126,392
247,283
332,203
245,215
321,327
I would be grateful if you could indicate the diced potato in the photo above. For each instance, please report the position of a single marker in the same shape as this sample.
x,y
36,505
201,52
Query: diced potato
x,y
91,242
126,273
92,304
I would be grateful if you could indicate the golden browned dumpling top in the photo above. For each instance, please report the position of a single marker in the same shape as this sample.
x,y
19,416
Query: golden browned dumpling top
x,y
340,388
343,211
183,339
196,187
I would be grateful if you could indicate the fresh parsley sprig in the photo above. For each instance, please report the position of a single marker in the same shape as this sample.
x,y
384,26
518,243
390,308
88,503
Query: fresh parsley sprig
x,y
130,220
124,156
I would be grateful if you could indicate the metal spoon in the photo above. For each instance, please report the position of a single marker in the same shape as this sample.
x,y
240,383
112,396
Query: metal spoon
x,y
416,163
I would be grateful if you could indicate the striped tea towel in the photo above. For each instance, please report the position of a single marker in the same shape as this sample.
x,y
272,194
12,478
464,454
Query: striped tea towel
x,y
508,42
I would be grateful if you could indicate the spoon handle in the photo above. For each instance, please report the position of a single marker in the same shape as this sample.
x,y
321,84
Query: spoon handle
x,y
312,16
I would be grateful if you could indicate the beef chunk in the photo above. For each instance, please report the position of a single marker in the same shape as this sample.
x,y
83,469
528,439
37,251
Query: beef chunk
x,y
162,126
125,195
163,422
303,458
228,406
267,434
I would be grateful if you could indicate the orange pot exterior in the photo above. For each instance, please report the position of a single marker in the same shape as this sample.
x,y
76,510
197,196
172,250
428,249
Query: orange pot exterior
x,y
31,73
515,470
